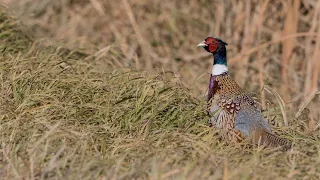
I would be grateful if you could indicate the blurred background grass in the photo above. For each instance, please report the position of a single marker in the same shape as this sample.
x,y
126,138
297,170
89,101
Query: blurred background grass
x,y
273,53
274,43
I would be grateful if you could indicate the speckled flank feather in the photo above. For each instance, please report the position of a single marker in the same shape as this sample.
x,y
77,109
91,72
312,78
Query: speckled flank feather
x,y
236,114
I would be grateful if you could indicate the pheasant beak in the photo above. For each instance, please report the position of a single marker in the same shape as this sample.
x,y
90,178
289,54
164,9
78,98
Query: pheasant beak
x,y
202,44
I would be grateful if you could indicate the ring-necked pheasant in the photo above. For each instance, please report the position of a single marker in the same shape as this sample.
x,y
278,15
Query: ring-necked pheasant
x,y
236,114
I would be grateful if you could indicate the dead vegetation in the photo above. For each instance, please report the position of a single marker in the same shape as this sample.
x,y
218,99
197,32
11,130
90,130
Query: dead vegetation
x,y
91,113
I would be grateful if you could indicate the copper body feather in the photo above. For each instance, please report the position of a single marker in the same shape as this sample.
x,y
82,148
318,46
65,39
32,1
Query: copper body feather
x,y
236,115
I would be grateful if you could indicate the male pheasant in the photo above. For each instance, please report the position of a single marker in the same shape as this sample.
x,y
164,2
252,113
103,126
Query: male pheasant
x,y
236,114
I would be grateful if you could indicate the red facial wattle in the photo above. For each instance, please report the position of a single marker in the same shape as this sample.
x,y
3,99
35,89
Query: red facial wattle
x,y
212,44
213,47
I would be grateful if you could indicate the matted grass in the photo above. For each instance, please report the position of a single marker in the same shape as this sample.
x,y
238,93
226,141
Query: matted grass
x,y
63,117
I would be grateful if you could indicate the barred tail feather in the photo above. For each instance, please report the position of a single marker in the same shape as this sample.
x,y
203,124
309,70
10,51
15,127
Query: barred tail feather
x,y
275,141
266,138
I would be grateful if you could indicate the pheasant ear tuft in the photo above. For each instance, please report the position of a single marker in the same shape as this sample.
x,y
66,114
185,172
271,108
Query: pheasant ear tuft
x,y
224,43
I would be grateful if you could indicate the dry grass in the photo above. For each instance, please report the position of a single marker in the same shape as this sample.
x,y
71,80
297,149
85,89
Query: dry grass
x,y
69,115
153,34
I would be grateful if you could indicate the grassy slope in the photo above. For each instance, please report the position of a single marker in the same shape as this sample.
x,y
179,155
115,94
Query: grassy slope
x,y
63,118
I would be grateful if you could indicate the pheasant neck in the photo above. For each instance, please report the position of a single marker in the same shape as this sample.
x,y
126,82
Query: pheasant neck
x,y
219,63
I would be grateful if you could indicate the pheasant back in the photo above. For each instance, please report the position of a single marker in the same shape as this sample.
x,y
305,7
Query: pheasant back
x,y
236,115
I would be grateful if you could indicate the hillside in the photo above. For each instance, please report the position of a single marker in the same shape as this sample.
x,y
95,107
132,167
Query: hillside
x,y
66,114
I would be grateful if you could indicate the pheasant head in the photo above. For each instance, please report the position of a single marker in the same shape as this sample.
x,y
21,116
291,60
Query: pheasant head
x,y
213,45
218,48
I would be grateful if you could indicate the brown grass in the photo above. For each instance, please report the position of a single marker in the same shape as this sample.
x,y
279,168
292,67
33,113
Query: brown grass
x,y
163,34
90,112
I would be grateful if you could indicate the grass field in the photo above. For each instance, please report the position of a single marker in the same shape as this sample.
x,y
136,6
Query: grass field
x,y
94,89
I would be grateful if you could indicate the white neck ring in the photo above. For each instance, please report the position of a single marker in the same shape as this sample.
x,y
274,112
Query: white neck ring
x,y
218,69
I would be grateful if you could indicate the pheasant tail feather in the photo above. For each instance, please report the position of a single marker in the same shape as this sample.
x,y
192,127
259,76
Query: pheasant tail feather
x,y
275,141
